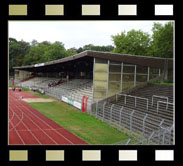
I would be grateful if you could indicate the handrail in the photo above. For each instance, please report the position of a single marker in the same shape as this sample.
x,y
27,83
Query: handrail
x,y
135,97
155,96
167,103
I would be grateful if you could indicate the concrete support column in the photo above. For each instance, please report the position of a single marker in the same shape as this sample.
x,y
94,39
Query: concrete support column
x,y
165,72
107,90
93,89
159,72
148,73
135,72
121,81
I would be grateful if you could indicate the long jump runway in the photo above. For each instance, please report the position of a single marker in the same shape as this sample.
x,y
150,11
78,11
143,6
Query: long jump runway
x,y
27,126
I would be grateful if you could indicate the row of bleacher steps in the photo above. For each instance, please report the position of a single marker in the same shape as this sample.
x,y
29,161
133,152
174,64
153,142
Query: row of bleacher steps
x,y
78,93
164,112
153,89
151,123
39,82
154,120
73,89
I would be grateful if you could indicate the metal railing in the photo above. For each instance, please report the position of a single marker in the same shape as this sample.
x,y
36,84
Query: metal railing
x,y
162,102
140,127
161,97
135,99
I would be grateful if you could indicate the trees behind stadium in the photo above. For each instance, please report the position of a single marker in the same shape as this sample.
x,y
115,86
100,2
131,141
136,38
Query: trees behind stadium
x,y
159,44
135,42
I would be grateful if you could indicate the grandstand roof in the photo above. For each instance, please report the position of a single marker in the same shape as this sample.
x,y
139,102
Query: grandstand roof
x,y
155,62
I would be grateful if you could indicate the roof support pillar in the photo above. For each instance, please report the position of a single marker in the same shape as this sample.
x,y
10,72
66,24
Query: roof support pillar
x,y
93,89
165,72
135,72
148,73
121,81
107,90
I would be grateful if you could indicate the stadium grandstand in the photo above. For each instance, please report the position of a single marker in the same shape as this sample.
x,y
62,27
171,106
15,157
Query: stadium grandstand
x,y
115,88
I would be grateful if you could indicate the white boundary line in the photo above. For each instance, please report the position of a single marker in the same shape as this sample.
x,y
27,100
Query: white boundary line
x,y
37,126
27,128
20,121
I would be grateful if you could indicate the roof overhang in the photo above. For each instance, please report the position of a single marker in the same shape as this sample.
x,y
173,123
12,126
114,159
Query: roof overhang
x,y
154,62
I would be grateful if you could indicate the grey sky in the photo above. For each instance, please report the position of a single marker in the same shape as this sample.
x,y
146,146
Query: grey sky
x,y
75,33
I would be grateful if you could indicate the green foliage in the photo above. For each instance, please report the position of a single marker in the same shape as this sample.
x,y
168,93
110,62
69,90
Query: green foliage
x,y
92,47
24,53
46,51
162,45
17,52
133,42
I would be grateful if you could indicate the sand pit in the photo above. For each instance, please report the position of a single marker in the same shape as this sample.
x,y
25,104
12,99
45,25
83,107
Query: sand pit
x,y
34,100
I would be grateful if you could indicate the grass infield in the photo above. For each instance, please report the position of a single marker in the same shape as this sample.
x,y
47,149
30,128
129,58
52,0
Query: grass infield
x,y
83,125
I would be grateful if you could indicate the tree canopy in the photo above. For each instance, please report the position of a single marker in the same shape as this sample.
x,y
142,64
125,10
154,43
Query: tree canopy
x,y
17,52
45,51
132,42
160,44
107,48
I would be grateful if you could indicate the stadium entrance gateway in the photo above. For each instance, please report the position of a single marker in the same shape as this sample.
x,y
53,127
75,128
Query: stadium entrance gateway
x,y
92,75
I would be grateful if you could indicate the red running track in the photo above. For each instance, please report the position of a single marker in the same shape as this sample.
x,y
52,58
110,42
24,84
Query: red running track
x,y
27,126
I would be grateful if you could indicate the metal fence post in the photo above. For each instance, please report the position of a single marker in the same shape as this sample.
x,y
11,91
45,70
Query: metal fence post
x,y
159,72
157,107
163,141
159,134
128,141
152,101
147,104
120,114
169,139
150,137
161,123
111,114
103,110
135,101
131,116
96,109
143,127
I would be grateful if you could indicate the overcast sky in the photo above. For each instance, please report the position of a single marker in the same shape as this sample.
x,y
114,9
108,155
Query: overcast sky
x,y
75,33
